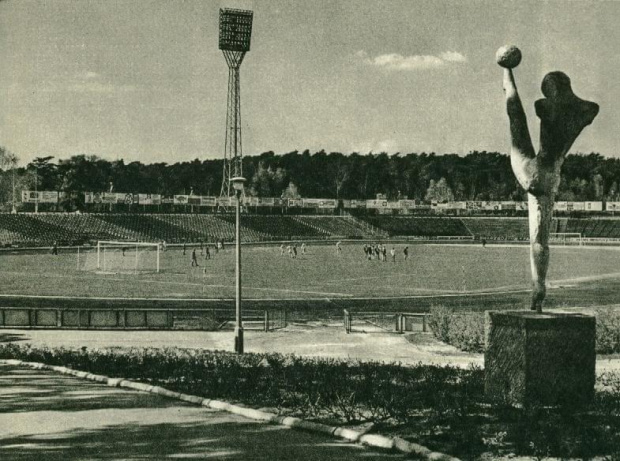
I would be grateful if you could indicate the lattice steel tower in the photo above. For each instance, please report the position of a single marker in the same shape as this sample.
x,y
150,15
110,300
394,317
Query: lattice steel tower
x,y
235,34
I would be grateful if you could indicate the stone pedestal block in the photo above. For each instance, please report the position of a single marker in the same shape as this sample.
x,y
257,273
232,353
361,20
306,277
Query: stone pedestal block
x,y
544,359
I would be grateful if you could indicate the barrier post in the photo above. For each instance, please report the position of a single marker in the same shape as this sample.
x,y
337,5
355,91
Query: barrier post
x,y
266,321
424,328
347,322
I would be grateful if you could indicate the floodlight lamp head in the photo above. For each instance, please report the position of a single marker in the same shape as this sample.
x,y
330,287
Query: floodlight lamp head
x,y
238,182
235,29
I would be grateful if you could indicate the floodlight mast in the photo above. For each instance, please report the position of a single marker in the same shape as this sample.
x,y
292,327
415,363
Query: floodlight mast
x,y
234,41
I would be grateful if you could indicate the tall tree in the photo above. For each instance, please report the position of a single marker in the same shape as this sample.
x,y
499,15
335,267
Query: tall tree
x,y
439,191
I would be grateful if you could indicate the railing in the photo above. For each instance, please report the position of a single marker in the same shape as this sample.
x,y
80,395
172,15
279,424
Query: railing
x,y
138,319
385,321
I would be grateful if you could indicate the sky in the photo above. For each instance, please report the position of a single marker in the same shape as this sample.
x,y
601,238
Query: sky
x,y
144,80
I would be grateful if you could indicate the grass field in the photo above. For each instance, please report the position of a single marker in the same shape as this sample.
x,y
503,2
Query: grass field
x,y
461,275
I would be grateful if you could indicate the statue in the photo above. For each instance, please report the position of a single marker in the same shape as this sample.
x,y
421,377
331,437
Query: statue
x,y
562,118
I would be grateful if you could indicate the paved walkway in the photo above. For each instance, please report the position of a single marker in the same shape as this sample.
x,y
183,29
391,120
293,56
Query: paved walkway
x,y
307,340
48,416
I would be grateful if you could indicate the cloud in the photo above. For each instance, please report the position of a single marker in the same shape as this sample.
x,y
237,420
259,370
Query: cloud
x,y
395,61
452,56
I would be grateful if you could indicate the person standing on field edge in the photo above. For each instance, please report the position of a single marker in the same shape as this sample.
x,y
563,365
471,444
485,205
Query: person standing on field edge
x,y
194,259
55,248
393,254
406,253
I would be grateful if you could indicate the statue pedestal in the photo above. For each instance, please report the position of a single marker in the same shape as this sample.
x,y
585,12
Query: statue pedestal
x,y
545,359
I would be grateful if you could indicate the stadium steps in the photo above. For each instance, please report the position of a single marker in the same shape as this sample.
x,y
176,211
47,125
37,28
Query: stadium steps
x,y
8,237
171,228
70,223
498,228
120,227
419,227
369,229
277,227
35,231
314,224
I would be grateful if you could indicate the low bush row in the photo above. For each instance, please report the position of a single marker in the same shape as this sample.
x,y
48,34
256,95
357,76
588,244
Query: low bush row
x,y
323,388
465,330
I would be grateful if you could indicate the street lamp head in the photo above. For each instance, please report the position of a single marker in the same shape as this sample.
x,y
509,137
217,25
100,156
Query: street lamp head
x,y
238,182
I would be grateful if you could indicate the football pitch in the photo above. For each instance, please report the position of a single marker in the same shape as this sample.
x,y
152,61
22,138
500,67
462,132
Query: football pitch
x,y
460,275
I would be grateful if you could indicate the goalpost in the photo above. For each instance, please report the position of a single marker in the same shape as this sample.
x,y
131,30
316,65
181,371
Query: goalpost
x,y
128,256
566,238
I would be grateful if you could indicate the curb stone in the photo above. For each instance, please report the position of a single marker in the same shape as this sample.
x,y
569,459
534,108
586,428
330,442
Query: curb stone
x,y
373,440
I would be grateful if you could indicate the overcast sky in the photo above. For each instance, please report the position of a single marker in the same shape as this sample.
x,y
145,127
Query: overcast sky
x,y
144,79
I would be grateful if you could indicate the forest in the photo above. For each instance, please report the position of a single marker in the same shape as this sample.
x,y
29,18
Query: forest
x,y
422,176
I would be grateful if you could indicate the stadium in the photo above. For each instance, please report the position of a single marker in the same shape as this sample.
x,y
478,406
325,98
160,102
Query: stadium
x,y
447,265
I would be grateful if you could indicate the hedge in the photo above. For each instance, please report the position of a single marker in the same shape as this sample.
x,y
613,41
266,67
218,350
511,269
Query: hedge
x,y
465,330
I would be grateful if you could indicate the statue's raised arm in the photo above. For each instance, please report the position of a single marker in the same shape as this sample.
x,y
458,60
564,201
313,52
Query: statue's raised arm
x,y
562,116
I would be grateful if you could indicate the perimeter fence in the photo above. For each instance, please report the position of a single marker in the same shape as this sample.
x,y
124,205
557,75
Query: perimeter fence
x,y
138,319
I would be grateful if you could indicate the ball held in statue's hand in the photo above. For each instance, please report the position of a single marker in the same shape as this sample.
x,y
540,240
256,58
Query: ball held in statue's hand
x,y
508,56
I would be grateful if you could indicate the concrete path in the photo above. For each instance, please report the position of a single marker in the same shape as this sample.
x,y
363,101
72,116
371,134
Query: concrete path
x,y
306,340
47,416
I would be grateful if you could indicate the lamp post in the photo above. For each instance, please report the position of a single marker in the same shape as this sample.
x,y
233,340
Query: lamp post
x,y
238,183
234,41
13,164
36,189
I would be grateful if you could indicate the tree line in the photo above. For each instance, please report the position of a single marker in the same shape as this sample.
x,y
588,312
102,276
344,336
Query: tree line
x,y
422,176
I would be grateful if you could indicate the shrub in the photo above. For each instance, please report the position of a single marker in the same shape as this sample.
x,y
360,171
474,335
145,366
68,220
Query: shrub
x,y
463,330
327,388
607,331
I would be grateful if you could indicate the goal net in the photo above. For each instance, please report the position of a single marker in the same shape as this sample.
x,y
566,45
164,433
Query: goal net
x,y
122,257
566,238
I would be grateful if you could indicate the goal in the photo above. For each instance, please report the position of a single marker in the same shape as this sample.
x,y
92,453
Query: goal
x,y
566,238
127,256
